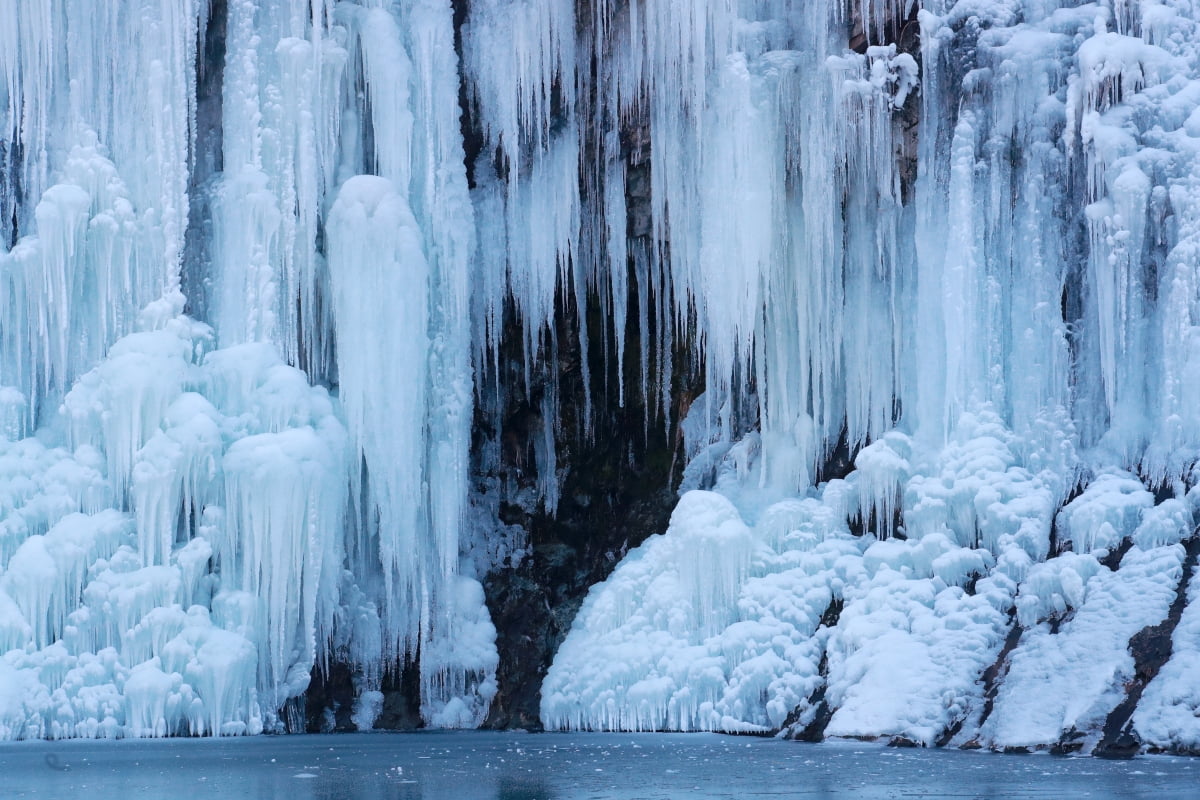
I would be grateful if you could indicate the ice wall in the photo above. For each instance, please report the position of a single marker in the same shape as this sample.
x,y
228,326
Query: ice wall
x,y
955,241
191,523
1031,266
958,239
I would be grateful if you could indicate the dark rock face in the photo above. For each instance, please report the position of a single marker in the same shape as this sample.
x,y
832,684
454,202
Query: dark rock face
x,y
207,160
10,193
903,741
401,700
329,701
635,147
900,28
992,677
619,454
814,731
615,488
534,603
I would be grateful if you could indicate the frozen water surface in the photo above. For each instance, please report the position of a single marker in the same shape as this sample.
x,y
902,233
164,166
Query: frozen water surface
x,y
513,766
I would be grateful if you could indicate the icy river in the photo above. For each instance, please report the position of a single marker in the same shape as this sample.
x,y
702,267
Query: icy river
x,y
514,766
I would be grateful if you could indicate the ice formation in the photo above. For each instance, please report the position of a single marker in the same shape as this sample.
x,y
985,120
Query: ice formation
x,y
978,272
254,287
191,521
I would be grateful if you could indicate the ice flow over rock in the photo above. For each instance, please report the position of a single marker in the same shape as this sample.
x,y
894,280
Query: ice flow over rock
x,y
260,261
195,515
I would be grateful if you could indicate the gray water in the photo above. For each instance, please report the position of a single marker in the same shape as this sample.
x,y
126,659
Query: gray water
x,y
516,766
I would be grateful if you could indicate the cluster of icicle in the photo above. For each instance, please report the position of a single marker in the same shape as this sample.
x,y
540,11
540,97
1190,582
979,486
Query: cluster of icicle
x,y
244,302
1000,313
780,238
190,518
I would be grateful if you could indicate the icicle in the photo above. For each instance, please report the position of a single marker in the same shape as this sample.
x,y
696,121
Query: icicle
x,y
442,206
47,574
284,511
381,293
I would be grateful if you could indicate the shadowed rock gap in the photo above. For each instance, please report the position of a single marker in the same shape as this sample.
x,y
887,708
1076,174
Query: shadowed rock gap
x,y
1151,648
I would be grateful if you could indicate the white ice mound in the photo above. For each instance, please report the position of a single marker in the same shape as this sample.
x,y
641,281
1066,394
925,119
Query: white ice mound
x,y
1073,662
717,625
722,625
213,588
1168,715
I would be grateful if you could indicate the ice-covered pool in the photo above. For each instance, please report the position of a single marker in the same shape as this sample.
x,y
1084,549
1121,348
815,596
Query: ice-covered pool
x,y
514,766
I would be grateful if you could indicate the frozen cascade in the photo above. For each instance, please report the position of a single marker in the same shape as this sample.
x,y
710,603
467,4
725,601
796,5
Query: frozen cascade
x,y
379,273
975,265
197,524
953,243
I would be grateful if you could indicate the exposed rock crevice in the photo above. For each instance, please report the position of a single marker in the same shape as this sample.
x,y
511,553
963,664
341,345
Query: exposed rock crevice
x,y
1151,649
814,729
617,490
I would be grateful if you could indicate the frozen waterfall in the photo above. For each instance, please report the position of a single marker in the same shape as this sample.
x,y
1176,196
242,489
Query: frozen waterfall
x,y
267,264
191,519
986,283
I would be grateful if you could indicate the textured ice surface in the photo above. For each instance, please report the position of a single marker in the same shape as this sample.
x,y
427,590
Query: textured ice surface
x,y
1069,674
1167,715
190,520
1009,329
977,270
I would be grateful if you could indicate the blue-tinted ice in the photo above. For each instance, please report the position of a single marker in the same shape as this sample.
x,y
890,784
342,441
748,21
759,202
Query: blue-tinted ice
x,y
513,766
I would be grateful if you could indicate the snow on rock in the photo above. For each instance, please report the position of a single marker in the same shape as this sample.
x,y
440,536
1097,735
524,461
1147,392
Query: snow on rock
x,y
706,627
716,625
1168,715
1073,662
1108,511
908,650
1169,522
919,619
